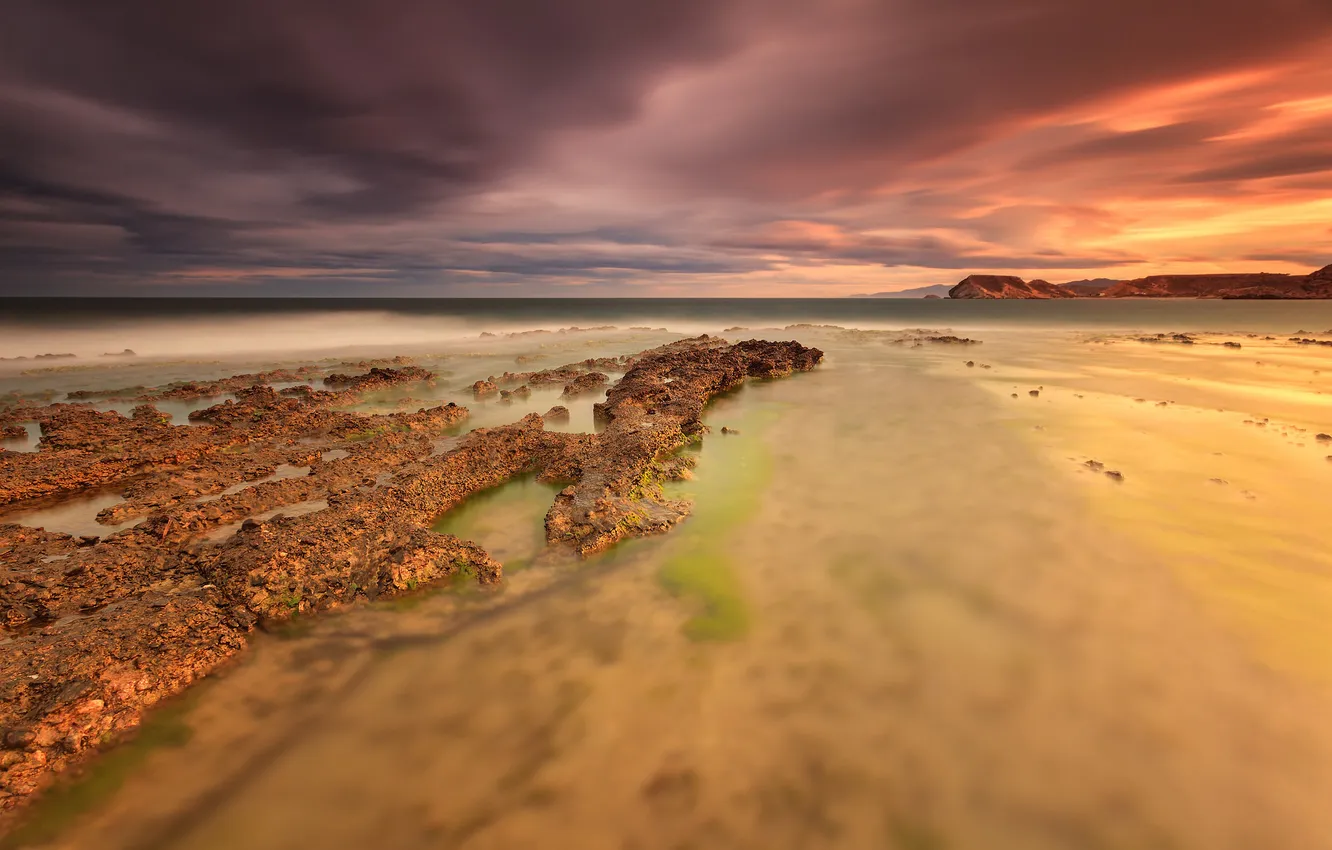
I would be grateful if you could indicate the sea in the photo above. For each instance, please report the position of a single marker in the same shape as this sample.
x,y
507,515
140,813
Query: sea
x,y
910,610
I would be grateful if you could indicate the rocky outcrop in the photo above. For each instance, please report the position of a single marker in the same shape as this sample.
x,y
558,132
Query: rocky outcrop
x,y
377,379
97,630
983,286
585,383
651,412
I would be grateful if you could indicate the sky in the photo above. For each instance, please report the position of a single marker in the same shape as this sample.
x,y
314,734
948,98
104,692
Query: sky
x,y
567,148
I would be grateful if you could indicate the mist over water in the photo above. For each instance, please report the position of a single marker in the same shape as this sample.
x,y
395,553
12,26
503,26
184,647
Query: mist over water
x,y
910,609
210,328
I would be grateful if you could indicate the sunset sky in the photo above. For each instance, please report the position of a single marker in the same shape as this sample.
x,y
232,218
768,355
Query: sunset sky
x,y
655,147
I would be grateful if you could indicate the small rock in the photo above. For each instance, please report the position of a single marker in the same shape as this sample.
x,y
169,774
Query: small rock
x,y
971,363
1033,393
1114,475
1323,438
1095,464
17,739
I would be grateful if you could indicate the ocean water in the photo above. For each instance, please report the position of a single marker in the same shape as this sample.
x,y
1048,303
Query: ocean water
x,y
910,609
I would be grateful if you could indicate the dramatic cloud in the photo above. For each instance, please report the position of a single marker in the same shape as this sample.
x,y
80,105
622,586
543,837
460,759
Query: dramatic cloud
x,y
683,147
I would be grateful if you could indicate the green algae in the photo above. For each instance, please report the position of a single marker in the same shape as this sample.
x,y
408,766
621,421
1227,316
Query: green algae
x,y
74,795
508,520
734,473
708,579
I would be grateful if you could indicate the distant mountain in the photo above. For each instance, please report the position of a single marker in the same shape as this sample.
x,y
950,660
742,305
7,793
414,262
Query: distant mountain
x,y
1229,286
939,290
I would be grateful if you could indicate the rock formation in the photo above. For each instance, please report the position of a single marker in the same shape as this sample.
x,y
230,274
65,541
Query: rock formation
x,y
1006,286
97,629
1226,286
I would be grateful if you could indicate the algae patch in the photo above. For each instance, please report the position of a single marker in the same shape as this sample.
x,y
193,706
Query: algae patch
x,y
733,476
709,579
508,520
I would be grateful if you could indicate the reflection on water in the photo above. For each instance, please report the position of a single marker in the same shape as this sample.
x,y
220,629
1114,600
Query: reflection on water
x,y
905,613
76,516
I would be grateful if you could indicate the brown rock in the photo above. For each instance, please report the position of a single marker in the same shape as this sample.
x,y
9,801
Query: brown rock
x,y
987,286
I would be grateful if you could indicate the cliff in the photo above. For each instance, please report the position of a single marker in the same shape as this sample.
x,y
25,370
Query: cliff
x,y
1201,285
1227,286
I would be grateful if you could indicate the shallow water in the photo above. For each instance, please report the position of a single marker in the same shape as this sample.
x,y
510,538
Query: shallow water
x,y
178,409
905,613
508,521
28,443
76,515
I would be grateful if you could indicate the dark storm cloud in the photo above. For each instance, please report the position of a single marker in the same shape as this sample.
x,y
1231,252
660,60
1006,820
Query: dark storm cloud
x,y
1312,259
409,96
1277,165
825,244
1154,140
888,84
142,139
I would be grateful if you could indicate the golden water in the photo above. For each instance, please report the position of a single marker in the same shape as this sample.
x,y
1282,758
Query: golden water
x,y
904,614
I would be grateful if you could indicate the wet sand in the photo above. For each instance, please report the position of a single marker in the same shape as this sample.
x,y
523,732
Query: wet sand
x,y
904,613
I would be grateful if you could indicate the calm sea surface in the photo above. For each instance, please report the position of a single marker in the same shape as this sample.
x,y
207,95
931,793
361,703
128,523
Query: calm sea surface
x,y
905,613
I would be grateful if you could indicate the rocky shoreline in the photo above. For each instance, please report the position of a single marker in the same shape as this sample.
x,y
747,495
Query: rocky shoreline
x,y
98,629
